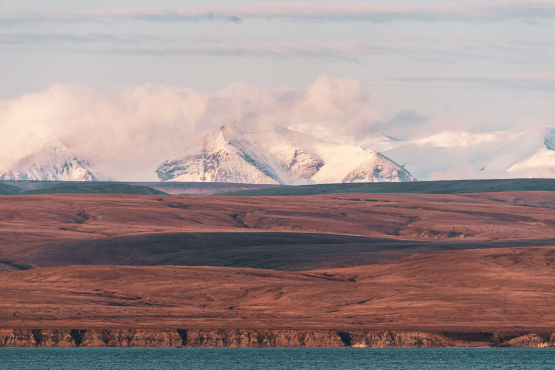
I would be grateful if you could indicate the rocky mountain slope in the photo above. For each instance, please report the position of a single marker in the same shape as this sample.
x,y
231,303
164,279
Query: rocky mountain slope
x,y
52,162
263,153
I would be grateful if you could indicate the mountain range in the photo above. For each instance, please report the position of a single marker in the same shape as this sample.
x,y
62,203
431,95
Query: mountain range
x,y
260,152
459,155
451,155
265,153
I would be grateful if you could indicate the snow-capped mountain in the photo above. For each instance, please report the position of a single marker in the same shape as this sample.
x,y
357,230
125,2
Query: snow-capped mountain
x,y
52,162
450,155
264,153
378,169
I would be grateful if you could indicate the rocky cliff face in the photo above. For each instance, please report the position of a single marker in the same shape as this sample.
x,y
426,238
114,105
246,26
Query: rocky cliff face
x,y
242,338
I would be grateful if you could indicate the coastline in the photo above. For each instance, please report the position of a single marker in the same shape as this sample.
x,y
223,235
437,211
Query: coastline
x,y
247,338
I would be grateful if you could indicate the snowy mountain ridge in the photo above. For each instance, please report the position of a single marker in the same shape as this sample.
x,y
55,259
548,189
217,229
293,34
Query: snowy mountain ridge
x,y
453,155
265,153
52,162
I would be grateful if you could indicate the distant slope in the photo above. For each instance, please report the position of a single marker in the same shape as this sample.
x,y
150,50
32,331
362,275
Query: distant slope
x,y
477,294
264,250
6,189
421,187
104,188
10,187
179,188
72,187
201,188
289,233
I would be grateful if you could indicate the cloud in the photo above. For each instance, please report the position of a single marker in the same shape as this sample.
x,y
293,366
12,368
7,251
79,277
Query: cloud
x,y
438,48
525,10
503,78
347,51
405,124
127,132
141,44
45,40
529,81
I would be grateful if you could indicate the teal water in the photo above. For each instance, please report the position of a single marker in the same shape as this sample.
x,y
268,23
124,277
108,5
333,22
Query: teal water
x,y
245,359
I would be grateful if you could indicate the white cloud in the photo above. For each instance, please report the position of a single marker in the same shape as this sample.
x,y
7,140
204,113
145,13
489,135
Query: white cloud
x,y
527,10
443,48
127,132
534,81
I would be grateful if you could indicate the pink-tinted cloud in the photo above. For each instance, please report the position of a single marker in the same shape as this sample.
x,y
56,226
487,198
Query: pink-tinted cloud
x,y
310,11
534,81
437,48
129,131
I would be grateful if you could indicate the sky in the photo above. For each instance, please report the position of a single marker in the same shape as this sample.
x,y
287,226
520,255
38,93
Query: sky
x,y
129,83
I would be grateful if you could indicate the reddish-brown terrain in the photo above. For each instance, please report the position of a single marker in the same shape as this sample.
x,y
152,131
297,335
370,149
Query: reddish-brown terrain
x,y
503,289
284,233
473,268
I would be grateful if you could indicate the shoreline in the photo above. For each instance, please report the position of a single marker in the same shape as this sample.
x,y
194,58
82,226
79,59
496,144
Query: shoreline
x,y
275,338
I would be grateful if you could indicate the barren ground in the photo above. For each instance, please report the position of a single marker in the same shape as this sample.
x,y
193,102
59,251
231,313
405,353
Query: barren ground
x,y
345,261
471,290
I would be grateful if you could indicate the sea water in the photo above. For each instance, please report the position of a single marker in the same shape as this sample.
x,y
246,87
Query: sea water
x,y
245,359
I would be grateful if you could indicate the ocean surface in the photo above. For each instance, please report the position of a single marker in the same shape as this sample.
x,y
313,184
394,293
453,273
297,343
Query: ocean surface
x,y
244,359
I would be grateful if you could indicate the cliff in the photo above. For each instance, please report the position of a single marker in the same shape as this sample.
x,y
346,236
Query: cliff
x,y
125,338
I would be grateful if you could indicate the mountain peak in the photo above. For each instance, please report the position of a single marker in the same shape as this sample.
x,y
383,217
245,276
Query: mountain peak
x,y
262,152
54,146
378,168
52,161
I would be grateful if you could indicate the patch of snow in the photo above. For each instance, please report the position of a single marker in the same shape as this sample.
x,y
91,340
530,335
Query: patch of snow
x,y
451,138
545,174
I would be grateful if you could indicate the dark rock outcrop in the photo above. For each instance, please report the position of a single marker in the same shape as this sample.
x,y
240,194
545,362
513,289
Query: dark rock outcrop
x,y
244,338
